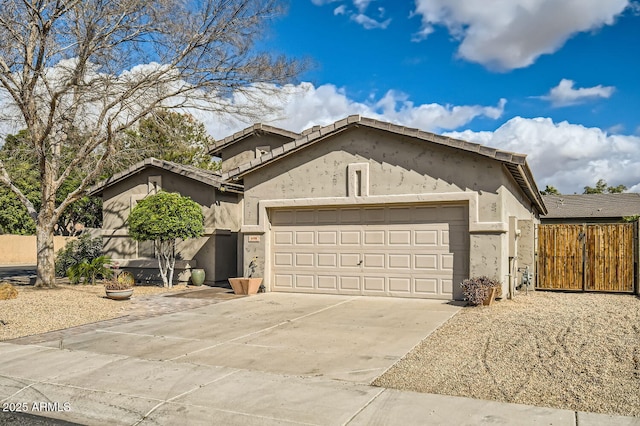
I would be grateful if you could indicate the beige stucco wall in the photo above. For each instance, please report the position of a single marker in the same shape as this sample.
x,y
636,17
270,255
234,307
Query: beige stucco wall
x,y
245,150
215,251
21,249
396,165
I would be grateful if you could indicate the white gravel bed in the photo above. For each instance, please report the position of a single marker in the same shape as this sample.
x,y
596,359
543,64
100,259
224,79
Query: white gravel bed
x,y
37,311
574,351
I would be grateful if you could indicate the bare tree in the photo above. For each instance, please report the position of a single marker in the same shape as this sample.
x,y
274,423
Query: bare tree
x,y
79,73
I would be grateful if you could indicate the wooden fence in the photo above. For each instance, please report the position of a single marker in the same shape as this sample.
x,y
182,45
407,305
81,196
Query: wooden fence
x,y
598,257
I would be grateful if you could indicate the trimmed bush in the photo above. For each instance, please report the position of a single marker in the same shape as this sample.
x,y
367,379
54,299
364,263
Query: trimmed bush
x,y
477,289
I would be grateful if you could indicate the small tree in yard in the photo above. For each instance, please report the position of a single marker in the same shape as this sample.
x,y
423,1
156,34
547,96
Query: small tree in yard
x,y
163,218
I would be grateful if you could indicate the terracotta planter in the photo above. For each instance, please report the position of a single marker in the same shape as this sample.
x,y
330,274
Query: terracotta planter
x,y
119,294
197,277
245,285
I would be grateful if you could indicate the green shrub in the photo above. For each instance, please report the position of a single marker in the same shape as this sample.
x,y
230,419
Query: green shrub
x,y
477,289
88,272
84,249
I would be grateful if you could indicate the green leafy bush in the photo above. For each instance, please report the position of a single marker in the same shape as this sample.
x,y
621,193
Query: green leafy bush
x,y
75,252
89,271
477,289
164,218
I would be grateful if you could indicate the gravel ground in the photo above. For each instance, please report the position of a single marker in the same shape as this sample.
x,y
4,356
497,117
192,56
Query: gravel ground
x,y
574,351
37,311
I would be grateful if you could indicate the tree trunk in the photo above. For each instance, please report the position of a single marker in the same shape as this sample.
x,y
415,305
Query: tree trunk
x,y
46,270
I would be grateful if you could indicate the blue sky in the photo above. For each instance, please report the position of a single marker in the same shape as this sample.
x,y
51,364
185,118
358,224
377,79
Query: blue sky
x,y
554,79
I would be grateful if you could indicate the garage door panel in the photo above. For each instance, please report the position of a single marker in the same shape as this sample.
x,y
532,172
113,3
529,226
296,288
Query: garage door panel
x,y
446,261
374,284
399,215
305,217
374,260
350,283
283,237
427,286
283,259
282,217
446,285
304,260
374,238
350,215
400,284
304,281
349,260
283,281
327,282
428,262
375,215
304,237
399,237
327,238
405,251
327,260
427,238
402,261
327,216
350,238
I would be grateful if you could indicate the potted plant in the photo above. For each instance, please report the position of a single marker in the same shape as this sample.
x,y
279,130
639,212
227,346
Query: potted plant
x,y
247,284
120,287
480,290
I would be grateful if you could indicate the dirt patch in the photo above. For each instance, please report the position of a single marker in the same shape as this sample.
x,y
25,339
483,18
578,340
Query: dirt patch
x,y
573,351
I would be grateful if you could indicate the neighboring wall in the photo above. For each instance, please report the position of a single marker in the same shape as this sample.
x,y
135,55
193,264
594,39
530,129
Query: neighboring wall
x,y
21,249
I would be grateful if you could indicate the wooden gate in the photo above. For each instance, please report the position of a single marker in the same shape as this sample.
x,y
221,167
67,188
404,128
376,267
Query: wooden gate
x,y
587,257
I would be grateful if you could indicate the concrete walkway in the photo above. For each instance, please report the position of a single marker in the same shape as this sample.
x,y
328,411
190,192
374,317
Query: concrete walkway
x,y
260,360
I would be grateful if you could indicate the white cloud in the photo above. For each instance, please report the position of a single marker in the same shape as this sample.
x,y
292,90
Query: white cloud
x,y
564,93
340,10
567,156
358,15
508,34
302,106
369,23
361,5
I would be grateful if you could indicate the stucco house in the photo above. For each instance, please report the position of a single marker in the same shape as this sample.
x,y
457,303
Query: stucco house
x,y
215,252
360,207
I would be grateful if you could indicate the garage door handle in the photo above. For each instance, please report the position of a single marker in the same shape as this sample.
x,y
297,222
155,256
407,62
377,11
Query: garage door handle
x,y
359,263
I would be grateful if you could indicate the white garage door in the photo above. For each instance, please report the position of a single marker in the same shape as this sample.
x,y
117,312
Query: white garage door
x,y
406,251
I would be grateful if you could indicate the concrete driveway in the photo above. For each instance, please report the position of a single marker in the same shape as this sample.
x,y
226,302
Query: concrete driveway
x,y
260,360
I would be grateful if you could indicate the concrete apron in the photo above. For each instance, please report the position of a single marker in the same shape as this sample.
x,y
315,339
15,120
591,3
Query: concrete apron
x,y
266,359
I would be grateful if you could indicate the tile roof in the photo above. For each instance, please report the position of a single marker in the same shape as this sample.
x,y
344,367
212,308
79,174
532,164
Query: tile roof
x,y
253,130
201,175
515,163
592,205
